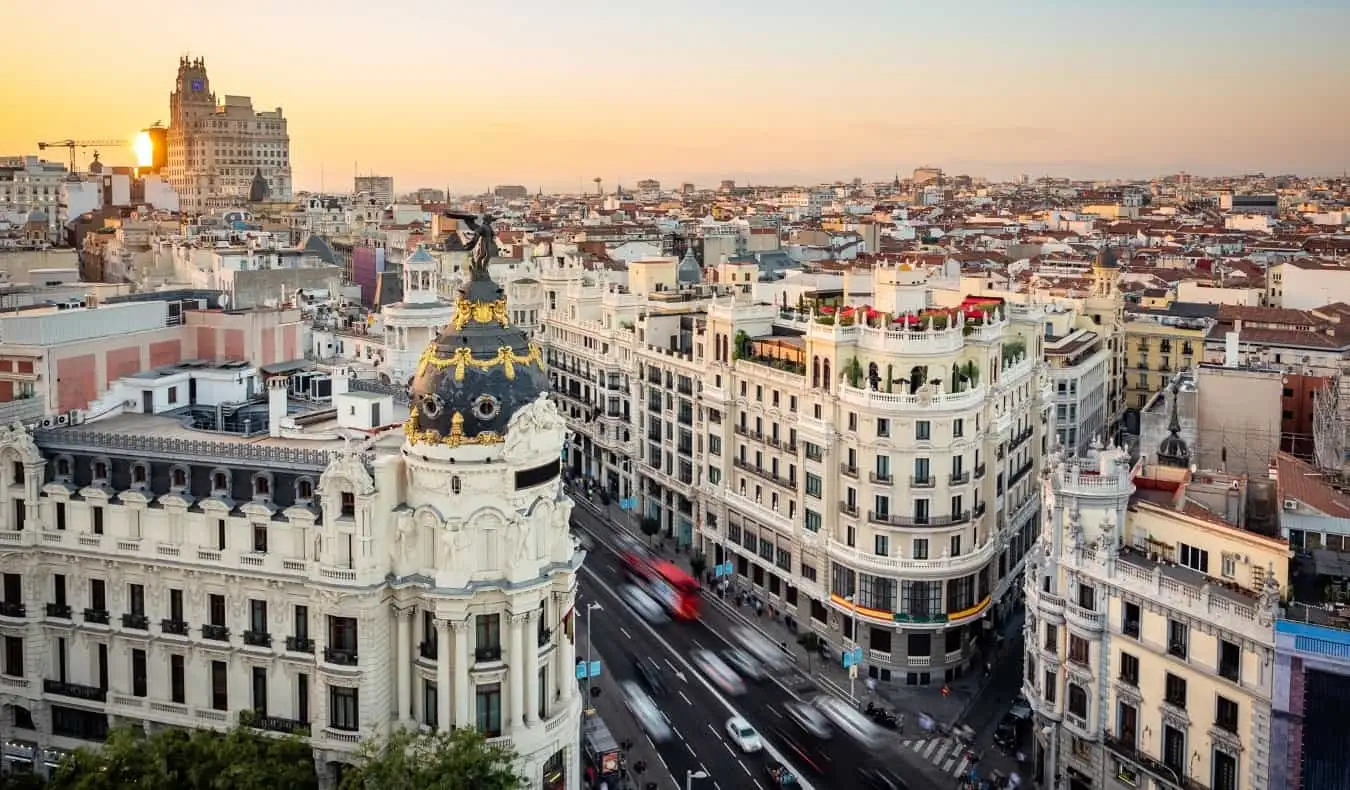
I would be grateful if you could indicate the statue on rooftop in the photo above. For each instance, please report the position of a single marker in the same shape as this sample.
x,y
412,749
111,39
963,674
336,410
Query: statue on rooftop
x,y
483,242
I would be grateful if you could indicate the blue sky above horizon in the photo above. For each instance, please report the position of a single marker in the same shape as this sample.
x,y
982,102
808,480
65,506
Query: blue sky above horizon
x,y
551,95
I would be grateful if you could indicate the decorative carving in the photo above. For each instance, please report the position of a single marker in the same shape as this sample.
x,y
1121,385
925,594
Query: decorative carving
x,y
533,430
479,312
348,465
1075,529
17,438
1270,591
405,538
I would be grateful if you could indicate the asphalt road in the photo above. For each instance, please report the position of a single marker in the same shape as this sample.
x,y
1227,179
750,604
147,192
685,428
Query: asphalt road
x,y
695,711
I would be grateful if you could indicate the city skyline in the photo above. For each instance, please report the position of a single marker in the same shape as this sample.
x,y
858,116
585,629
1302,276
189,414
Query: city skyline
x,y
550,98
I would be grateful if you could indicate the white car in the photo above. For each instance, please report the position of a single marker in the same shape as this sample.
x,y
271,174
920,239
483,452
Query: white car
x,y
743,735
722,676
645,711
642,603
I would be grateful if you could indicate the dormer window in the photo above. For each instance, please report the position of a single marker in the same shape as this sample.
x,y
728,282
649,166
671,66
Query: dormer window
x,y
262,485
178,477
220,483
63,467
348,504
139,474
100,471
304,490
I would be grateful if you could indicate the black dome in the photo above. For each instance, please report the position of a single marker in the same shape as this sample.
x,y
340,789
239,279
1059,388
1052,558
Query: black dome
x,y
475,375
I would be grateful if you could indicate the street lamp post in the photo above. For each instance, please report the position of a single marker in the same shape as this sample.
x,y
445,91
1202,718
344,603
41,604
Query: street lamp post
x,y
590,607
690,776
853,628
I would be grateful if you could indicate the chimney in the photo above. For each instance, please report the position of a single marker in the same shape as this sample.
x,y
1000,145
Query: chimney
x,y
1230,350
341,381
276,404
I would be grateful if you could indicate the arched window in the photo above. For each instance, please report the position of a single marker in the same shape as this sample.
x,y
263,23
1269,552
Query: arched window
x,y
304,489
63,467
825,375
178,477
815,372
220,481
139,474
100,470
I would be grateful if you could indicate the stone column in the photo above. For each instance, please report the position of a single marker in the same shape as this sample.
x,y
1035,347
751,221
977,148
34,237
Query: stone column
x,y
516,668
531,669
567,652
463,711
443,647
404,663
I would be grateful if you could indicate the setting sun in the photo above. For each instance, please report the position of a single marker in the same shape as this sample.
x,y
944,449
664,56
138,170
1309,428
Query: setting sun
x,y
145,150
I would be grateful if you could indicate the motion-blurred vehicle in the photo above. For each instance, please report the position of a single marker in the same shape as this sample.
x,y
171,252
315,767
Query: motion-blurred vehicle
x,y
880,779
649,675
812,721
746,665
803,751
722,676
642,603
849,720
761,647
645,711
663,580
743,735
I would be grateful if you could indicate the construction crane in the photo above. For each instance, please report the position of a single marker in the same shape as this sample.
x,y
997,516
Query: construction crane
x,y
71,145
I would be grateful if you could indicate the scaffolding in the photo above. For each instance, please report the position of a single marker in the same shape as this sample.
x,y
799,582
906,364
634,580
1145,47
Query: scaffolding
x,y
1331,423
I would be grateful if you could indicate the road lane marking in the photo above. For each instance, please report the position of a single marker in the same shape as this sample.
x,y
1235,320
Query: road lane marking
x,y
759,786
692,753
625,633
712,691
715,731
687,702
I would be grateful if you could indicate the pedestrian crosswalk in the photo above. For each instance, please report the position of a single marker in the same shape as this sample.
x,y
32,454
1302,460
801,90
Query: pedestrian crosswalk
x,y
948,754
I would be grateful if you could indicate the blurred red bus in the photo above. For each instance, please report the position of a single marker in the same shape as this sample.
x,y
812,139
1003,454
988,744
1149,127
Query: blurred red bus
x,y
670,585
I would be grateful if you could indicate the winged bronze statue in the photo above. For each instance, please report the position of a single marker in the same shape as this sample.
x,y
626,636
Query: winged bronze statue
x,y
483,242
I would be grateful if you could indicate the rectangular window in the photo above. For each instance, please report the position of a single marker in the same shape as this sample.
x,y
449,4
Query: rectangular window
x,y
1225,771
136,599
342,634
488,633
98,520
1129,619
1175,691
1191,557
1226,714
430,704
176,605
60,515
220,534
260,538
1051,637
14,655
215,607
1078,649
1177,638
140,686
98,595
1230,661
922,430
220,685
881,545
302,697
1050,680
301,622
920,548
260,690
1129,669
344,709
177,680
489,711
257,616
814,486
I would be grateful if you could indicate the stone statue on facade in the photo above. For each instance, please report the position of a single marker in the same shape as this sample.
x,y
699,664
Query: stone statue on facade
x,y
1270,591
482,241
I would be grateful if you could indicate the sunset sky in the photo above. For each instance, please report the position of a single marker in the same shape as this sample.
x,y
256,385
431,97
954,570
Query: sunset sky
x,y
552,94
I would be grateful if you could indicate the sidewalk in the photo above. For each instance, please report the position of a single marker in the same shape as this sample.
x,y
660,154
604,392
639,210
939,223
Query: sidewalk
x,y
910,700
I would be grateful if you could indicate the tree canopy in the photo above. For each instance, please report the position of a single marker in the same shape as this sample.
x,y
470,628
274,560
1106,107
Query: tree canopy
x,y
240,759
457,760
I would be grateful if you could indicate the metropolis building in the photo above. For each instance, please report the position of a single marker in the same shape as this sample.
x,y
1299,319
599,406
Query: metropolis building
x,y
872,472
217,150
335,564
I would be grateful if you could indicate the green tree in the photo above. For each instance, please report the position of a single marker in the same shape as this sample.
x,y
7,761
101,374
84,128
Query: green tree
x,y
457,760
650,527
698,563
811,641
241,759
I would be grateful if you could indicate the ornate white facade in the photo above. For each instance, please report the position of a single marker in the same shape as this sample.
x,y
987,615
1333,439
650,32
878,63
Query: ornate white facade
x,y
336,590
